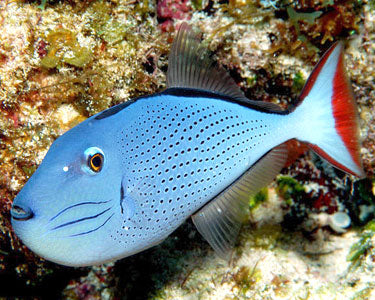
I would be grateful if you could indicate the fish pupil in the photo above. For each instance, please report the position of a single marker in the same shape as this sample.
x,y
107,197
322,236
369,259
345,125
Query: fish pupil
x,y
96,162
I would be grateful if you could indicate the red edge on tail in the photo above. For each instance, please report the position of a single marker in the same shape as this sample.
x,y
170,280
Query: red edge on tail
x,y
314,74
344,110
321,153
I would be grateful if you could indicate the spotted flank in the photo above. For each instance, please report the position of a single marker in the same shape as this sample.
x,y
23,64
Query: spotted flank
x,y
123,180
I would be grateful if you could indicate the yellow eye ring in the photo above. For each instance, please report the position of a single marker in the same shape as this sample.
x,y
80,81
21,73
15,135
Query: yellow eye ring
x,y
96,162
93,160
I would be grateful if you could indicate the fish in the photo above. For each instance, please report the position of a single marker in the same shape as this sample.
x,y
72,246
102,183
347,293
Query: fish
x,y
124,179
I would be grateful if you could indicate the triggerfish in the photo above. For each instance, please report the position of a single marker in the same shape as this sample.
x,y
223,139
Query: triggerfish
x,y
124,179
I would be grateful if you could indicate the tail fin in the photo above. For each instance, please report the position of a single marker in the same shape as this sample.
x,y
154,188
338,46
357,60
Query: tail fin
x,y
328,114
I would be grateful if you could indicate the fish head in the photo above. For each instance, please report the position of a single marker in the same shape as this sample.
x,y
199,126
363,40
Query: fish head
x,y
65,211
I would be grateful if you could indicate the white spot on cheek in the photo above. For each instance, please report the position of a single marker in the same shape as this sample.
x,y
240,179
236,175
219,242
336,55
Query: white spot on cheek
x,y
65,169
126,228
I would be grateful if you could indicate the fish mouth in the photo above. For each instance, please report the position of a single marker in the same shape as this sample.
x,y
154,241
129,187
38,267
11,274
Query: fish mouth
x,y
21,213
69,235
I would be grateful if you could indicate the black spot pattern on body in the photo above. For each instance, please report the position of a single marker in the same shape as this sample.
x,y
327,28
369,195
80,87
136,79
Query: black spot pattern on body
x,y
176,155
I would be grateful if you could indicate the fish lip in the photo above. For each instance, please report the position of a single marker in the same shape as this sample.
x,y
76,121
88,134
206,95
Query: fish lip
x,y
21,214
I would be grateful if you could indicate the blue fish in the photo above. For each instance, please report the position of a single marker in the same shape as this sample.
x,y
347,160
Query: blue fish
x,y
123,180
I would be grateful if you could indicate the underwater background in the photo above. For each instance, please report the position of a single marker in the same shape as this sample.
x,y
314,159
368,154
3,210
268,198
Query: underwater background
x,y
309,235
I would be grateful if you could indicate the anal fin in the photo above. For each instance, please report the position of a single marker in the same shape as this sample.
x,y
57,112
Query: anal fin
x,y
220,220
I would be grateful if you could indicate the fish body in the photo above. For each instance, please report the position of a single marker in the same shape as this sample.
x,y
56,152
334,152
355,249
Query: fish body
x,y
124,179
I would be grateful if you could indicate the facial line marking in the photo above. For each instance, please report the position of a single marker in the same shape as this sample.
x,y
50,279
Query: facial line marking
x,y
86,232
75,205
81,220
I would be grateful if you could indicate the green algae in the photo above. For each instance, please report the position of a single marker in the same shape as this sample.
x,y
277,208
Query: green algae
x,y
106,26
113,32
265,237
111,62
240,12
198,4
144,8
251,80
364,246
29,170
333,19
42,4
298,82
309,18
365,190
289,189
64,48
246,278
258,198
100,12
362,200
306,17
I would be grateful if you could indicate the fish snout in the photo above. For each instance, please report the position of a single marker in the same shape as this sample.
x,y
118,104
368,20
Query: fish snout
x,y
21,213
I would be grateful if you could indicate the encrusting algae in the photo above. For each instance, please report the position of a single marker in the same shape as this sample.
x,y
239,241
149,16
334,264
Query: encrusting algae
x,y
71,59
63,48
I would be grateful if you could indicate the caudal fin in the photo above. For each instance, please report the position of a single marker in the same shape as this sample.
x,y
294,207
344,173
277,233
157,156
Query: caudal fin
x,y
328,114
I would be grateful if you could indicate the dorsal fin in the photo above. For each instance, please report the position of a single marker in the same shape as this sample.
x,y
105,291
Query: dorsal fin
x,y
220,220
190,66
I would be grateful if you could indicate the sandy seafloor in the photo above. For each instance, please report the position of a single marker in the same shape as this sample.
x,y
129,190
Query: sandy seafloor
x,y
63,61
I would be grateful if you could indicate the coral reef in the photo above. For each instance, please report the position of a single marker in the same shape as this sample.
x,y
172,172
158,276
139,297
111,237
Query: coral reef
x,y
60,65
63,61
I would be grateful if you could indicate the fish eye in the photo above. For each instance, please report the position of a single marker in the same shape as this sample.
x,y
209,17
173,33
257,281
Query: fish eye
x,y
94,160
